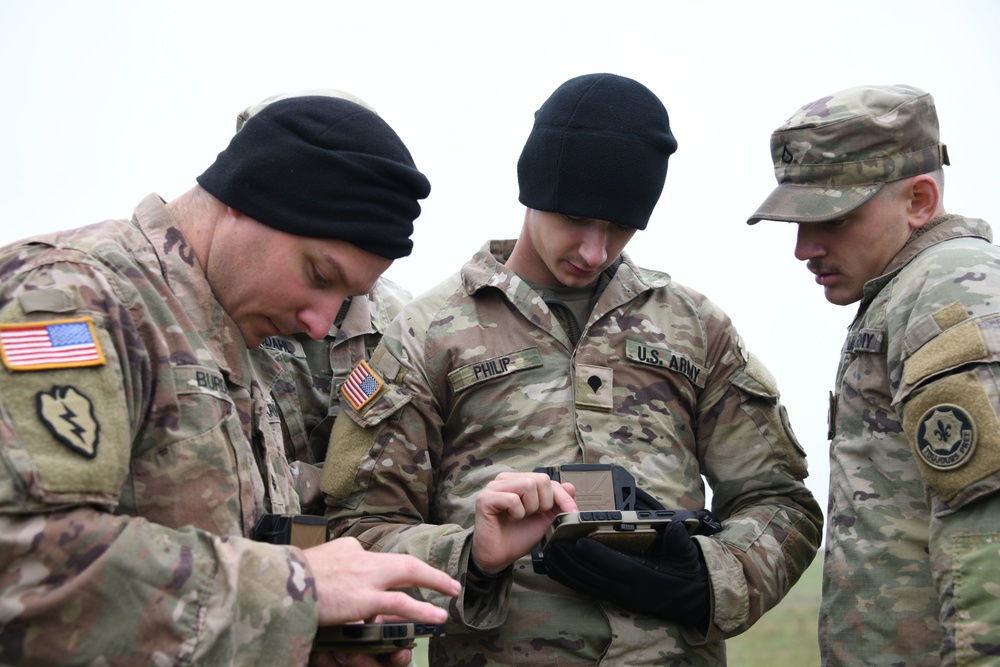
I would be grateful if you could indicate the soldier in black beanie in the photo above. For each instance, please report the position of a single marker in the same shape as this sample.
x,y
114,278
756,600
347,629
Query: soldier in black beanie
x,y
556,348
333,181
598,149
137,436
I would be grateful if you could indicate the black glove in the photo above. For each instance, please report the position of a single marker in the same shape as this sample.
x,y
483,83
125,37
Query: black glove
x,y
669,580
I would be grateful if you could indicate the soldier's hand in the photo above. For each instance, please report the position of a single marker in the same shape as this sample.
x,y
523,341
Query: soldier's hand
x,y
353,584
669,580
512,513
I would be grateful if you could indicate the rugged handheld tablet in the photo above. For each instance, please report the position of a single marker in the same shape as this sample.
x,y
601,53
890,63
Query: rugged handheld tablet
x,y
629,532
612,510
300,530
598,486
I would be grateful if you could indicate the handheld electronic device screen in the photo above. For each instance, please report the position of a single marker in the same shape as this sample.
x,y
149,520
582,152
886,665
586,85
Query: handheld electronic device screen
x,y
301,530
373,637
598,486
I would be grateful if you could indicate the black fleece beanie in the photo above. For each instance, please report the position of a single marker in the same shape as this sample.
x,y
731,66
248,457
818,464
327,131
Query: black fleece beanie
x,y
325,168
598,149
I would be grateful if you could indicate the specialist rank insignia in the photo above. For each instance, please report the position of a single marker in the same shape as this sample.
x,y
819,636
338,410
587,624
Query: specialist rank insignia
x,y
361,386
946,437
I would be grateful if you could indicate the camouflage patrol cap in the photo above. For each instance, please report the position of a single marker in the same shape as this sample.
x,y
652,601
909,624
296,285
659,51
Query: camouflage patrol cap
x,y
834,154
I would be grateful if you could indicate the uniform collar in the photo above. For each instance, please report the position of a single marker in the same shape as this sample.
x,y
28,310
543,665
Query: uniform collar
x,y
487,268
186,279
938,230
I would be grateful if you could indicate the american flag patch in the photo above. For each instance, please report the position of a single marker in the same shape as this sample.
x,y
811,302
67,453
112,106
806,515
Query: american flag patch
x,y
56,344
361,386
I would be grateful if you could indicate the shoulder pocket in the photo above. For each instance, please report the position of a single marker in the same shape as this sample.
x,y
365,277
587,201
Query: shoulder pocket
x,y
348,464
759,394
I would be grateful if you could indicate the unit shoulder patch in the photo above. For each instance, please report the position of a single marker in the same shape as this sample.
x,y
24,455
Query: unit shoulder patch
x,y
69,415
66,343
946,437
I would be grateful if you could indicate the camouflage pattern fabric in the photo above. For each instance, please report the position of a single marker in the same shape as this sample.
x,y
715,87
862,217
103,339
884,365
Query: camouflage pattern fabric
x,y
912,537
312,371
130,481
480,378
812,148
836,152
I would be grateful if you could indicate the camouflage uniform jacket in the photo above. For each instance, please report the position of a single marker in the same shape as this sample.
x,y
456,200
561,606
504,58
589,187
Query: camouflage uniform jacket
x,y
912,539
127,486
480,378
313,370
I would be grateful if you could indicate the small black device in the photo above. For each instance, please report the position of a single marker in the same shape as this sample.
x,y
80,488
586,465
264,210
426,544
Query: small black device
x,y
373,637
300,530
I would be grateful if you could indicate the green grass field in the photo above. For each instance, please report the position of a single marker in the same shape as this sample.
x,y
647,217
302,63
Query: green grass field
x,y
784,637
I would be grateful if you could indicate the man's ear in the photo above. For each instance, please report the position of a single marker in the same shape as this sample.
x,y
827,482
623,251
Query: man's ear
x,y
924,200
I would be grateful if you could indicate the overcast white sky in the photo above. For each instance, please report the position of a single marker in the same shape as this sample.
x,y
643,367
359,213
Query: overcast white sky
x,y
105,101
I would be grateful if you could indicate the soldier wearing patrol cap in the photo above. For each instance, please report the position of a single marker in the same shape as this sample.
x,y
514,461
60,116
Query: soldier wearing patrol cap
x,y
911,544
135,454
557,349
